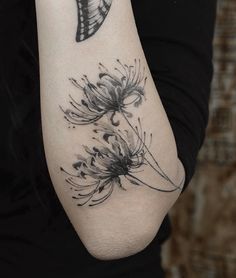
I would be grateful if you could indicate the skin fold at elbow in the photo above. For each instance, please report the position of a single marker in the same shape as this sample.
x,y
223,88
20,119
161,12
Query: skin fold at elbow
x,y
120,244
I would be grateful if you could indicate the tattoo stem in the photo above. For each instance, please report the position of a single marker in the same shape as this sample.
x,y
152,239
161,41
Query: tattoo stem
x,y
162,173
157,189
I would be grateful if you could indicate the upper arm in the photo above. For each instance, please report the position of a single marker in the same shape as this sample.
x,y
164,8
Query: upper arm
x,y
110,149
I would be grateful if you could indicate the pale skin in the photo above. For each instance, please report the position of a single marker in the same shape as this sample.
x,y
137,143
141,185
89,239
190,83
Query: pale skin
x,y
127,221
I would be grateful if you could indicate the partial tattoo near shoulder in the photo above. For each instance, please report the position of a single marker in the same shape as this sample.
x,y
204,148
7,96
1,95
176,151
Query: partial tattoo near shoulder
x,y
115,155
91,15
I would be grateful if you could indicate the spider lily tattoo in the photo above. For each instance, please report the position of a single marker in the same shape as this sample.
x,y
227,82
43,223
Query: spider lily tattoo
x,y
119,156
112,94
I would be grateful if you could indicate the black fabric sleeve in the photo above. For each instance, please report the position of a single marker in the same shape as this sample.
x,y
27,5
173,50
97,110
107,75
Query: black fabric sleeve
x,y
177,40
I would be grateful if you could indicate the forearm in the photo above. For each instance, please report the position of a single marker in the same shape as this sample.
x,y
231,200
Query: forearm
x,y
91,104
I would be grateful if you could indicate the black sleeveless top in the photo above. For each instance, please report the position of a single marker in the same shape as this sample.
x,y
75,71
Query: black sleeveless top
x,y
36,237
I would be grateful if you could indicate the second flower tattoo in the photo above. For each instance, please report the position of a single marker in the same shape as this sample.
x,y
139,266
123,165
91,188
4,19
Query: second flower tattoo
x,y
112,94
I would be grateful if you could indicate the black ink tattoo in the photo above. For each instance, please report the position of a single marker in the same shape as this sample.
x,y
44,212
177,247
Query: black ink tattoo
x,y
91,15
111,94
118,157
118,154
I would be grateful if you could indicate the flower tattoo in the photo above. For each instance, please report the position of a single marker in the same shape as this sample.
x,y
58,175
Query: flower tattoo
x,y
119,154
111,94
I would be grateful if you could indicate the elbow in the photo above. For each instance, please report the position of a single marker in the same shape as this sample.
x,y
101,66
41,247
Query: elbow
x,y
128,230
119,244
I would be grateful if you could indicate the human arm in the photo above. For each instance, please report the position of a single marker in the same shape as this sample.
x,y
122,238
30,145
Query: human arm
x,y
127,221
